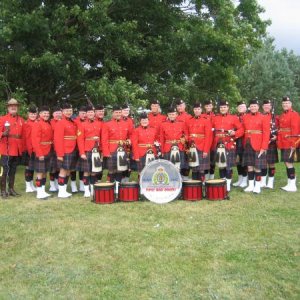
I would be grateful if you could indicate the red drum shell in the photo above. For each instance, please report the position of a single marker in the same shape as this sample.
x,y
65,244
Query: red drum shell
x,y
216,189
192,190
129,192
104,193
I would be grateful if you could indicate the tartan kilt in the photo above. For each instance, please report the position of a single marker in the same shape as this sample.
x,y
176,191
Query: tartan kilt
x,y
53,162
239,147
31,162
85,165
69,161
183,159
112,163
250,158
204,163
212,157
42,166
285,153
272,153
230,158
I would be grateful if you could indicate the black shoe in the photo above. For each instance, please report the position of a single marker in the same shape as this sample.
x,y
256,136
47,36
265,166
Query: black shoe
x,y
12,192
4,195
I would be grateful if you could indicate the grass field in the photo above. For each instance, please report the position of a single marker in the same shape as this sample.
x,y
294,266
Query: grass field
x,y
245,248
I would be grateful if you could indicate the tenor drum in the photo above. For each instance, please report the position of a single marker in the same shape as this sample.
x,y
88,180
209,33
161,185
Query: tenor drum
x,y
215,189
129,191
104,193
192,190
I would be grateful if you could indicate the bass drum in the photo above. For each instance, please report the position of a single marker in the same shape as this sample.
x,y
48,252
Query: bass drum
x,y
160,181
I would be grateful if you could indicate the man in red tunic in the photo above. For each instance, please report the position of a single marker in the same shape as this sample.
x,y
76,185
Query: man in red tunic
x,y
155,117
42,143
256,142
11,146
287,137
29,169
65,137
89,136
199,132
227,128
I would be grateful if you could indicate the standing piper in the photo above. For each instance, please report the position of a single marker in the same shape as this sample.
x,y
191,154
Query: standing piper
x,y
199,132
226,128
65,136
143,142
209,114
287,136
42,142
256,142
11,146
172,136
29,169
272,153
155,117
54,171
115,138
241,170
89,134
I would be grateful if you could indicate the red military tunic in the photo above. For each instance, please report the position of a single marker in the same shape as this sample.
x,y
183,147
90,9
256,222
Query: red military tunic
x,y
65,136
199,131
129,122
226,122
42,137
288,125
156,119
143,139
113,132
184,116
27,142
89,133
170,133
257,130
13,144
209,115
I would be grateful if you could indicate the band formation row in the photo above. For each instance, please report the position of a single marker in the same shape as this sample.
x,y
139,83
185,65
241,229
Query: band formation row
x,y
59,144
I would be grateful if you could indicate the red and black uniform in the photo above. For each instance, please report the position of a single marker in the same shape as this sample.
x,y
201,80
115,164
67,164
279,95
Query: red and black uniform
x,y
256,138
288,126
89,135
173,133
42,143
143,139
28,146
155,120
222,125
184,116
65,137
199,133
11,149
114,133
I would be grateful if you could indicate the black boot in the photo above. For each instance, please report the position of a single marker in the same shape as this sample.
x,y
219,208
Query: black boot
x,y
4,193
11,183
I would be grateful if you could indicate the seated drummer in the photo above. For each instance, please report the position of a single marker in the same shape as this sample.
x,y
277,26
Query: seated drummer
x,y
200,135
143,139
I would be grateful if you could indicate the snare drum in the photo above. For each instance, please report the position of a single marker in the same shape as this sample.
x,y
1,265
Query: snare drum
x,y
129,191
104,193
192,190
216,189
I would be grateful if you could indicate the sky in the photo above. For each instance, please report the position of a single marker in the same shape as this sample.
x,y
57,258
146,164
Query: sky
x,y
285,17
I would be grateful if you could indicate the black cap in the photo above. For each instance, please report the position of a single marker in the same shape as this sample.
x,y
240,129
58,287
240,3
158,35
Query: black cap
x,y
179,101
207,102
197,105
286,98
267,102
154,101
143,115
241,102
89,107
125,106
66,105
82,108
171,109
254,101
224,103
44,108
99,106
32,109
56,108
116,107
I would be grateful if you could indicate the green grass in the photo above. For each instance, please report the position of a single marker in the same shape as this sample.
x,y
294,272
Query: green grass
x,y
245,248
